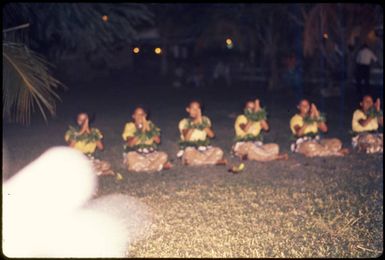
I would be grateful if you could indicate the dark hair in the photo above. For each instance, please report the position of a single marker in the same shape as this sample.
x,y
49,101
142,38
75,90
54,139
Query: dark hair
x,y
91,115
195,101
367,95
302,99
245,103
144,108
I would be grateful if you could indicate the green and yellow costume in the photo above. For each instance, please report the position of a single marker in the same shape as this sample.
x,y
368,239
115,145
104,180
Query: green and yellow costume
x,y
86,143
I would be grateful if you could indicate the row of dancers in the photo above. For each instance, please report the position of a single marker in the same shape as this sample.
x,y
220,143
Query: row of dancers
x,y
142,137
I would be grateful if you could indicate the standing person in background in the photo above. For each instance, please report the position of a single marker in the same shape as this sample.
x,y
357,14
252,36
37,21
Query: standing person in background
x,y
179,75
222,71
364,58
293,75
197,77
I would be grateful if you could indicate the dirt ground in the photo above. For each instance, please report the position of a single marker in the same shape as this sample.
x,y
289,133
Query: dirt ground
x,y
302,207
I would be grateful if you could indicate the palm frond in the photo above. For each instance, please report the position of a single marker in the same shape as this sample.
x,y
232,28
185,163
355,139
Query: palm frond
x,y
26,82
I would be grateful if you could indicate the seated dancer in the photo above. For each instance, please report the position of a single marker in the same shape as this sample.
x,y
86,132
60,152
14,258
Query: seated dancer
x,y
86,140
142,137
305,126
365,126
195,131
248,131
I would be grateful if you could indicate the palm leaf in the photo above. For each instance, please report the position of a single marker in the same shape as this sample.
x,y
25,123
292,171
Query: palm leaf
x,y
26,83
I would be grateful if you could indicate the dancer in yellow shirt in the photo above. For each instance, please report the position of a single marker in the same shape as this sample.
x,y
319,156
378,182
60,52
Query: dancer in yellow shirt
x,y
142,137
87,140
365,125
305,126
248,130
195,131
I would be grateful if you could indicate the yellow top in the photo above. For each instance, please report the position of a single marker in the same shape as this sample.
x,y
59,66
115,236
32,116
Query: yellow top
x,y
255,128
130,130
197,134
82,145
298,120
357,127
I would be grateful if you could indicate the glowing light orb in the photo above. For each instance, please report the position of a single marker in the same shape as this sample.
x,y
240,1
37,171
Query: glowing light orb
x,y
136,50
158,50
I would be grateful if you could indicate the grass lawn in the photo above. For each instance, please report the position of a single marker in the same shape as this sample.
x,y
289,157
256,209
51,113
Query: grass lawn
x,y
302,207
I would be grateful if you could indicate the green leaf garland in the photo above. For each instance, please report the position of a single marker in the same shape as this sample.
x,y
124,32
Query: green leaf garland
x,y
94,136
249,138
139,146
310,120
372,112
196,144
191,125
311,135
256,116
146,135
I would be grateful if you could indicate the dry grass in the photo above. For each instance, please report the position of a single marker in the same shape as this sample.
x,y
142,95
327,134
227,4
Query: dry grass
x,y
296,208
273,216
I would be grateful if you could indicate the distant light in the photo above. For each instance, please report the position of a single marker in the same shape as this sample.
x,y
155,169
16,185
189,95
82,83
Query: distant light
x,y
136,50
326,36
158,50
229,43
105,18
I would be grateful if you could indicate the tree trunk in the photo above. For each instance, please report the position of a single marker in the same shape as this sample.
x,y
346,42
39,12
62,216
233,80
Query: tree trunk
x,y
350,68
273,79
164,58
272,56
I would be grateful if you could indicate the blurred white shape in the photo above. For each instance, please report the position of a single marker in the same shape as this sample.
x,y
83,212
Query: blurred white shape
x,y
61,178
47,211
